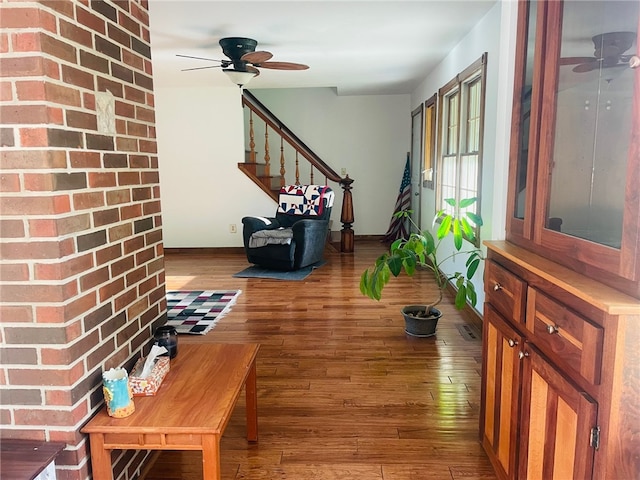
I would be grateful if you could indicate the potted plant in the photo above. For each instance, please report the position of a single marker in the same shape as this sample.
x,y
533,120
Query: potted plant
x,y
420,250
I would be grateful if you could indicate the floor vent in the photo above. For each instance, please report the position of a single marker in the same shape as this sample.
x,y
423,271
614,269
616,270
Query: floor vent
x,y
469,332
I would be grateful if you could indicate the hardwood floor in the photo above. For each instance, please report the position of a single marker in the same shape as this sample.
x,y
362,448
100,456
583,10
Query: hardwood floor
x,y
343,392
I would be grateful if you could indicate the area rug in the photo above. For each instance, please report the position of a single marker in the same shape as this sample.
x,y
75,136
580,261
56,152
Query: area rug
x,y
197,311
255,271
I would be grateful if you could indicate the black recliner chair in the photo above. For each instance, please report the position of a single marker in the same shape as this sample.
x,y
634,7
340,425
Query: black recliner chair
x,y
296,236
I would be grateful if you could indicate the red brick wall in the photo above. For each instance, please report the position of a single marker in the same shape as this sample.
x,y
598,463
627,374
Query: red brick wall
x,y
81,260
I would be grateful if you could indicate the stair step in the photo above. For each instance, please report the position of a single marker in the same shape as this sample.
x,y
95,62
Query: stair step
x,y
271,182
265,183
257,169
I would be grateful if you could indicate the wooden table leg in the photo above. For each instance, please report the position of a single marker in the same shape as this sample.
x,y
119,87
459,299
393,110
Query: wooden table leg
x,y
251,390
210,457
100,458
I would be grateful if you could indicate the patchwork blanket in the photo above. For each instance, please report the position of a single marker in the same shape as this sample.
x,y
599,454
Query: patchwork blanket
x,y
304,199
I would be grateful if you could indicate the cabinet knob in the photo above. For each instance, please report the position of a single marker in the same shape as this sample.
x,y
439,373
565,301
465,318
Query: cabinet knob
x,y
497,287
522,354
551,329
512,343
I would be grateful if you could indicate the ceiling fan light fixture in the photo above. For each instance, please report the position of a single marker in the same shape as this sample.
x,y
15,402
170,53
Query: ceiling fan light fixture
x,y
238,77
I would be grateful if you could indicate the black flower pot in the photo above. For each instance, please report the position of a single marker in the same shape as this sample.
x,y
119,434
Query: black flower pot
x,y
417,324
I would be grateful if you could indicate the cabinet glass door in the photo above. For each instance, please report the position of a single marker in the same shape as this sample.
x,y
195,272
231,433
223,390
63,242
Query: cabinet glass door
x,y
593,125
574,173
528,135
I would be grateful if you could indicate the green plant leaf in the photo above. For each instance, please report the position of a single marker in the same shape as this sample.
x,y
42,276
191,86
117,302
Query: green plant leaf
x,y
461,297
410,265
467,229
437,217
430,243
445,226
451,201
471,294
457,234
473,266
394,264
396,244
465,202
364,282
476,219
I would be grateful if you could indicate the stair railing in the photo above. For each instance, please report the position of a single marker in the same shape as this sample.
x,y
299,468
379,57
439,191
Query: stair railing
x,y
273,124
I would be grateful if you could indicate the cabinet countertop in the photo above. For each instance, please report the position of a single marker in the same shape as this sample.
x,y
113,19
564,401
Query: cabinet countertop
x,y
601,296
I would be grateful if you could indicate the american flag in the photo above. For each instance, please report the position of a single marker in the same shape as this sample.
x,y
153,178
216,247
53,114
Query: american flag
x,y
398,226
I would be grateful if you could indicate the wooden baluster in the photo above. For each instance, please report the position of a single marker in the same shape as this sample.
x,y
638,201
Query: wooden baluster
x,y
252,143
267,158
282,169
346,217
297,169
311,176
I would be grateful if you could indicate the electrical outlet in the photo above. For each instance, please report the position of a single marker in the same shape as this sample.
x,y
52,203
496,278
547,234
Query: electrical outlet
x,y
233,228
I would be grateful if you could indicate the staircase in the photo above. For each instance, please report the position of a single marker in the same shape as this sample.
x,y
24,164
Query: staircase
x,y
296,164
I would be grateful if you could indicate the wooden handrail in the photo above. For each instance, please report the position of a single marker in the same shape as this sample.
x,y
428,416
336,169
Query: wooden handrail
x,y
267,116
271,121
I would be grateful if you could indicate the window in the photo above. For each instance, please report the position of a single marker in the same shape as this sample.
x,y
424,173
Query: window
x,y
460,140
430,121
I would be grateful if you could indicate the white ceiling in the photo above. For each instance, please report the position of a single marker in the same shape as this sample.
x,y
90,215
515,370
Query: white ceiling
x,y
357,47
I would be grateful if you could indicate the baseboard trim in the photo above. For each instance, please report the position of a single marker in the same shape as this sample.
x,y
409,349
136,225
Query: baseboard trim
x,y
202,250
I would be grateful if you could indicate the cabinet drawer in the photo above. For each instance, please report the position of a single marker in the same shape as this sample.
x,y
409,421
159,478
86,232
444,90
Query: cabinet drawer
x,y
573,341
505,291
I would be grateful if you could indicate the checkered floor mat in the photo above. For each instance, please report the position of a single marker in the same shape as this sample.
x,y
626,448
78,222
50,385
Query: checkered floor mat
x,y
197,311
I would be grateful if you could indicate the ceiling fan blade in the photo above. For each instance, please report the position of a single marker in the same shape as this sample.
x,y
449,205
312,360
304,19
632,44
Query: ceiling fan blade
x,y
253,70
283,66
200,68
576,60
256,57
200,58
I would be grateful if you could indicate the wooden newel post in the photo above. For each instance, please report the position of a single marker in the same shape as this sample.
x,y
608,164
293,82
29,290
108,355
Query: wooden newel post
x,y
346,217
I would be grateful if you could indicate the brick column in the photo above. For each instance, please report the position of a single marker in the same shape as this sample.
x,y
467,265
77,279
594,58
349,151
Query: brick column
x,y
81,259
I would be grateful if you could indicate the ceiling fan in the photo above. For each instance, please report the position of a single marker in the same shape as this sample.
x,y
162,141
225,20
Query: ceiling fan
x,y
244,61
608,52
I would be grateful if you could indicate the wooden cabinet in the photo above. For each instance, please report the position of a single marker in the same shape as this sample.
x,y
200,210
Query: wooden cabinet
x,y
557,420
500,392
574,177
561,371
564,288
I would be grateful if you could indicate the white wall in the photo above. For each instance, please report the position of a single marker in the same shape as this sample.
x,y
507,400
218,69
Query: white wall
x,y
494,34
367,135
200,142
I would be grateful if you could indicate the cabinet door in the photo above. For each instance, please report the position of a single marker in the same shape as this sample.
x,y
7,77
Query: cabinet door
x,y
575,153
556,424
500,398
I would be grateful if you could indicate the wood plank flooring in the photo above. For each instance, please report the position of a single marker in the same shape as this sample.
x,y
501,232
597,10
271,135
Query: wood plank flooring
x,y
343,392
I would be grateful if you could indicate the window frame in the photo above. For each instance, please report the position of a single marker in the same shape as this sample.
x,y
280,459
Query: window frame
x,y
430,142
460,86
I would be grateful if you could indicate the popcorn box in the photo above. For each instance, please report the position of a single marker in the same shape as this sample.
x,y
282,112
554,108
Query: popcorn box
x,y
148,386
